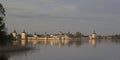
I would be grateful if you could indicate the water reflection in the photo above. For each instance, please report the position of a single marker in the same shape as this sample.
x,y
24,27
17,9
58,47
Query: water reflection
x,y
28,44
25,47
92,42
77,43
8,55
3,57
15,48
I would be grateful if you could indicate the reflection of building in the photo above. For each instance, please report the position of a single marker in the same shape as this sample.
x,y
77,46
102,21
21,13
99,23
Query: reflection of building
x,y
92,41
24,43
58,43
4,57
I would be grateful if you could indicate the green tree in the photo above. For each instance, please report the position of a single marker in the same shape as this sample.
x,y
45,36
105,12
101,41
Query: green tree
x,y
2,23
78,34
3,36
3,57
70,35
78,43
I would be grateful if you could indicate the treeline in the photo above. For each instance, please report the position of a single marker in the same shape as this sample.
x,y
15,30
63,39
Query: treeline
x,y
2,23
116,36
74,35
3,34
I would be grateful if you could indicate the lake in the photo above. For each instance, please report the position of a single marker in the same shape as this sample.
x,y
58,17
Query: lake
x,y
68,50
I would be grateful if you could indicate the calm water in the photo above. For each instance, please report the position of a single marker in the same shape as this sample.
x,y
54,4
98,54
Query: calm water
x,y
69,50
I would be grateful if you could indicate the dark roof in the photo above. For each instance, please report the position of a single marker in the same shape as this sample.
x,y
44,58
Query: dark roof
x,y
23,31
14,31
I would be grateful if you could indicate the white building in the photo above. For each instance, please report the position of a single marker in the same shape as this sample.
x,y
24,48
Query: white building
x,y
24,35
93,35
14,34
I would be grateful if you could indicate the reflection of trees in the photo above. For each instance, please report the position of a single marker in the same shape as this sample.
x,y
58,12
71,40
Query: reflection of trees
x,y
117,36
116,41
69,43
78,43
16,48
3,57
7,55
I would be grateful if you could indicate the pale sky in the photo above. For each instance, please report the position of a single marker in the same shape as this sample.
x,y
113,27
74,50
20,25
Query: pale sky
x,y
63,15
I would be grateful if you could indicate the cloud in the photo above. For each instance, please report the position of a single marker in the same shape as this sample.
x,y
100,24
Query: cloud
x,y
83,15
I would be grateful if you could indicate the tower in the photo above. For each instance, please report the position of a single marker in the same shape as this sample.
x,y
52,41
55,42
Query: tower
x,y
14,34
35,35
94,35
60,35
24,35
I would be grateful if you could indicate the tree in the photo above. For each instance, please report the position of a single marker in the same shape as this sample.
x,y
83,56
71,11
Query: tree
x,y
70,35
3,36
78,34
2,24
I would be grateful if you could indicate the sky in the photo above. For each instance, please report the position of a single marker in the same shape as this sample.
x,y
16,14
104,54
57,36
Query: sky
x,y
52,16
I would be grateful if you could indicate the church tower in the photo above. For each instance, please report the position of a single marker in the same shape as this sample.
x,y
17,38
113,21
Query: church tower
x,y
94,35
35,35
14,34
60,35
24,35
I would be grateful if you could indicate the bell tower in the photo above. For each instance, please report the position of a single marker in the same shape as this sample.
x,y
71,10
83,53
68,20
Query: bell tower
x,y
14,34
23,35
94,35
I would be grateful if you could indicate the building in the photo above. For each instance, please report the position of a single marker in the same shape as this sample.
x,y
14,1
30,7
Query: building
x,y
24,35
93,35
14,34
58,36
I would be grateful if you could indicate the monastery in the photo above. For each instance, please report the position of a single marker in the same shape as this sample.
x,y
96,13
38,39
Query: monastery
x,y
25,36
